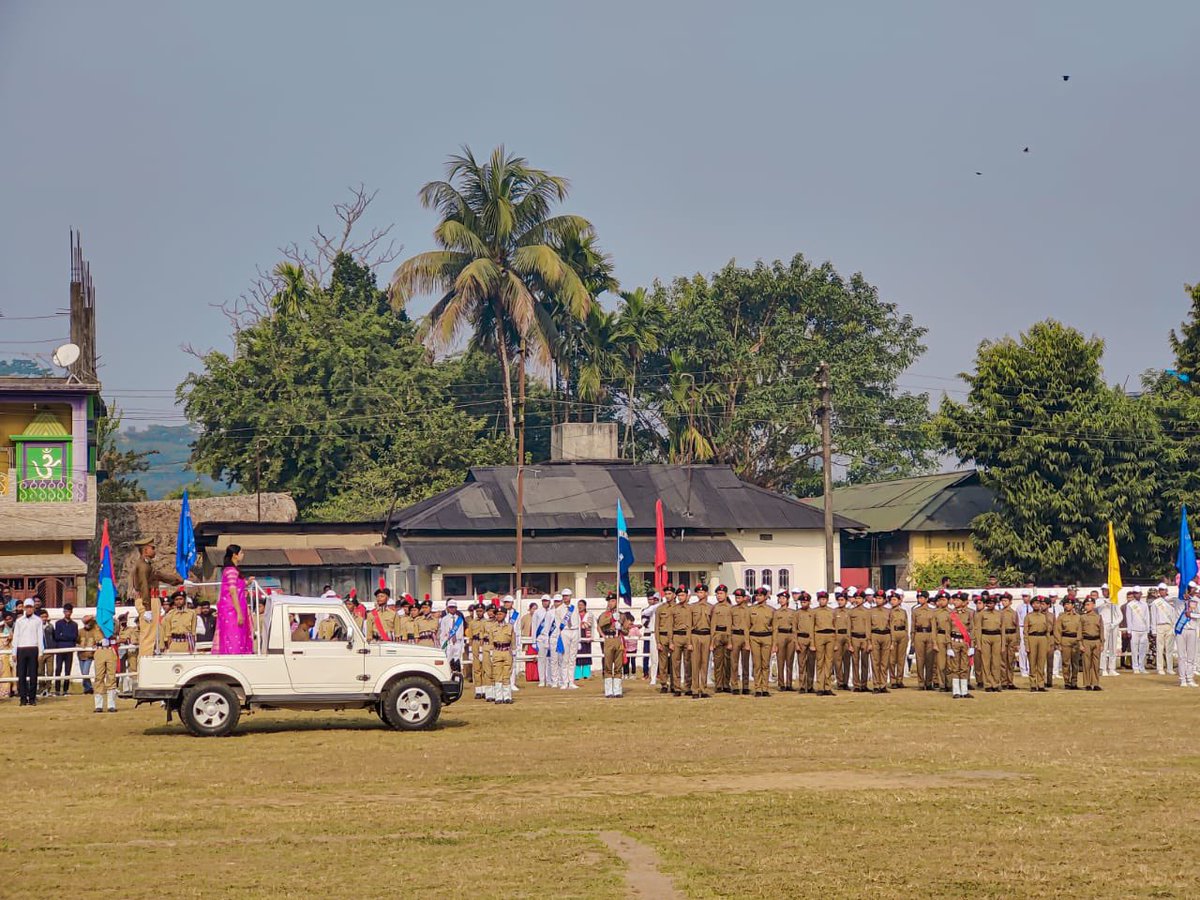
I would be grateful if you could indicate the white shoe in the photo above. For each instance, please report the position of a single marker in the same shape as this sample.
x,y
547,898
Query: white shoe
x,y
1161,672
513,687
572,686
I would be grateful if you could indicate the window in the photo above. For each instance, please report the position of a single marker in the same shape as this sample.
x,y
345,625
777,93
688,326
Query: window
x,y
751,579
785,580
766,536
766,578
454,585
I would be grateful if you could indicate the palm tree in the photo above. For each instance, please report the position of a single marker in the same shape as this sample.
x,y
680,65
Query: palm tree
x,y
598,365
681,401
639,332
499,260
295,289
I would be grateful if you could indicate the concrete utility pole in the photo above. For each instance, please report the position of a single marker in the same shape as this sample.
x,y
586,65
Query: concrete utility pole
x,y
826,412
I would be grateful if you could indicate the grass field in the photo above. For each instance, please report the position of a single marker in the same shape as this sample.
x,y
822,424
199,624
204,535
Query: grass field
x,y
570,795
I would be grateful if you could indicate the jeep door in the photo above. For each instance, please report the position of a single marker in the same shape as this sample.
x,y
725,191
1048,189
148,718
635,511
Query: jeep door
x,y
324,667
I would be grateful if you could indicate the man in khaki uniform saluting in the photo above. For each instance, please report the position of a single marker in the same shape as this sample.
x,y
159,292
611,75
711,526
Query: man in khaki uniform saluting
x,y
609,626
143,587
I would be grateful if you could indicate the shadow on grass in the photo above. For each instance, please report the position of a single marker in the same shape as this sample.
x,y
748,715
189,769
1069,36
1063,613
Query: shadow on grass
x,y
245,729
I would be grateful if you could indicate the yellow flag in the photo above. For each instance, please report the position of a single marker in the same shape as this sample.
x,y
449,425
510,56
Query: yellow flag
x,y
1114,568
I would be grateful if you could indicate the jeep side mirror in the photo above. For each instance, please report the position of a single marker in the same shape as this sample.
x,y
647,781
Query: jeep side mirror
x,y
350,644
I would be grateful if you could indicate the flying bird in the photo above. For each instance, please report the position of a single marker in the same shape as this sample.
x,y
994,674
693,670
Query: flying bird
x,y
1026,150
978,173
1066,78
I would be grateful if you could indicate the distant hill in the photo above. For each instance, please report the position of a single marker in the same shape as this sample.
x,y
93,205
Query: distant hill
x,y
168,468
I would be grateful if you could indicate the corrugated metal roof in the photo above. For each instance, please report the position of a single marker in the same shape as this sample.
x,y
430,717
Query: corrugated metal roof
x,y
947,501
303,556
38,564
584,551
583,497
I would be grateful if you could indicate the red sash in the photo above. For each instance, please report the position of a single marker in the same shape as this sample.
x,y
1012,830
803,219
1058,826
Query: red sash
x,y
379,625
962,629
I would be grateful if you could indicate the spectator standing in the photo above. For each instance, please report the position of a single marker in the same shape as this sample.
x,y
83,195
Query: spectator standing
x,y
89,637
45,660
66,637
10,602
206,623
583,656
29,640
631,632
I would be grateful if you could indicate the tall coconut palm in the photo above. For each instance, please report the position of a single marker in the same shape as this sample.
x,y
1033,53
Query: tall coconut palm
x,y
638,333
681,402
598,365
500,258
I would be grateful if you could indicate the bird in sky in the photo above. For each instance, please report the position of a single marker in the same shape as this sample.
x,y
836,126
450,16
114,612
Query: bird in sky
x,y
978,173
1066,78
1026,150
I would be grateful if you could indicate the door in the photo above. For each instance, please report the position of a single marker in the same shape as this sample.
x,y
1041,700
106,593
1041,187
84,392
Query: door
x,y
316,666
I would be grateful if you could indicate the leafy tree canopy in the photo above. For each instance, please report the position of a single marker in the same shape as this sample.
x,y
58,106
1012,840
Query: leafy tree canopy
x,y
1064,453
734,381
120,468
329,394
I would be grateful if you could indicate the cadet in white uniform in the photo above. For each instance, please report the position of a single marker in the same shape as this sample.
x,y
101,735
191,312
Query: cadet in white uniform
x,y
1162,619
1111,615
1137,623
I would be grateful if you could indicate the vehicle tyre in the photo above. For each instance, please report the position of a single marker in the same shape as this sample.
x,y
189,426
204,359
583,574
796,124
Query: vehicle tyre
x,y
210,709
411,704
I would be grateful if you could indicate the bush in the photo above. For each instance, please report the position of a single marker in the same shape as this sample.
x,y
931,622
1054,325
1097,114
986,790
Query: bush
x,y
962,572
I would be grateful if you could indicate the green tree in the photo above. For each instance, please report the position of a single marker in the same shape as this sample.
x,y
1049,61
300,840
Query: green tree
x,y
120,468
336,396
1175,404
961,571
752,338
500,258
638,333
1064,453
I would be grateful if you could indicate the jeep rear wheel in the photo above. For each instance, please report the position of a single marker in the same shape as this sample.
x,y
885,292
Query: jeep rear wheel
x,y
411,704
210,709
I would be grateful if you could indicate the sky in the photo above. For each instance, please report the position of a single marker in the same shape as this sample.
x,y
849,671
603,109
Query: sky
x,y
188,142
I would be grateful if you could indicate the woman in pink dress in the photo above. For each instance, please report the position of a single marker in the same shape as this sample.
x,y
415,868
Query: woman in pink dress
x,y
234,633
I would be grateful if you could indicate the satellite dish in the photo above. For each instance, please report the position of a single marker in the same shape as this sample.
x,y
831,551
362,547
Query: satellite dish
x,y
66,355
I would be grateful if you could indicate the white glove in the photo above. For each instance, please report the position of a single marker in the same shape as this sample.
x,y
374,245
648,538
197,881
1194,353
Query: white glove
x,y
950,653
971,652
147,616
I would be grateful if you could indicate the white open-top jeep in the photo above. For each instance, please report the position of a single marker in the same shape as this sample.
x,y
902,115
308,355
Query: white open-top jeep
x,y
404,684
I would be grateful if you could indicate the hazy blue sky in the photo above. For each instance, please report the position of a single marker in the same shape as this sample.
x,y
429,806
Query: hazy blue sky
x,y
188,143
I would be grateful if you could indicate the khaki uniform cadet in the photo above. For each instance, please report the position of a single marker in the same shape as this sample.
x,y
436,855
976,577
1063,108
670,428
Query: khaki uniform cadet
x,y
327,629
179,626
739,644
1037,641
941,639
609,626
722,626
106,672
880,618
1091,642
1066,639
805,652
382,622
785,641
899,619
427,626
989,642
144,579
762,635
701,641
1010,645
961,650
89,636
860,642
824,641
664,624
681,657
1050,618
924,649
501,639
476,625
129,637
841,644
486,668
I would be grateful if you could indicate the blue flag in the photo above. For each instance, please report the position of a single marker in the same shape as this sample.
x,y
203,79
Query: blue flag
x,y
185,540
106,599
1185,563
624,557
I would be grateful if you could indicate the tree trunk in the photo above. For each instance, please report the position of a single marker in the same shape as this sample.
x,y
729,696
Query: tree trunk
x,y
502,355
629,412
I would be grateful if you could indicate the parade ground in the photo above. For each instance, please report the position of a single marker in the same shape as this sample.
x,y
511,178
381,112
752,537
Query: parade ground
x,y
566,794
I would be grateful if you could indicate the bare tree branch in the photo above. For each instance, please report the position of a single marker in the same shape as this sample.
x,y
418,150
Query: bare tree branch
x,y
370,251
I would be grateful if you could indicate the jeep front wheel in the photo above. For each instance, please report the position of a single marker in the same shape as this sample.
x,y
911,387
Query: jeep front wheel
x,y
210,709
411,704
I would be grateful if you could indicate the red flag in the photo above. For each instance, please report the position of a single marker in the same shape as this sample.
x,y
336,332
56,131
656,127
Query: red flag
x,y
660,548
